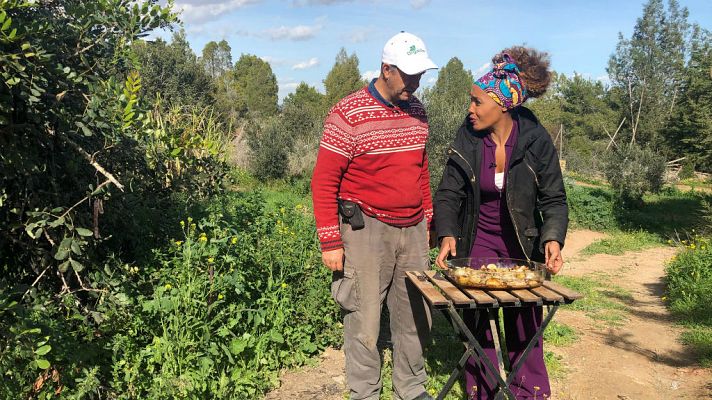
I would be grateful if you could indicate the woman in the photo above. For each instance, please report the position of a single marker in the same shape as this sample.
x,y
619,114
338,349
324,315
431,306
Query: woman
x,y
502,195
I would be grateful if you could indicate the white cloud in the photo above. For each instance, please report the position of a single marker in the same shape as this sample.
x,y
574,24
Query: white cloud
x,y
295,33
418,4
604,79
481,70
274,61
369,75
360,35
197,11
310,63
302,3
432,80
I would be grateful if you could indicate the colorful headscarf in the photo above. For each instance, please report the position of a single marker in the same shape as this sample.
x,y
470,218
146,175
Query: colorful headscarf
x,y
503,83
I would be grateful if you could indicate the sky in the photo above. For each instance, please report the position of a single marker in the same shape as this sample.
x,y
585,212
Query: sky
x,y
300,38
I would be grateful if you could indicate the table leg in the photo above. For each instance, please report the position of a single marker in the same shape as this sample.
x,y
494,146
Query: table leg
x,y
520,361
473,349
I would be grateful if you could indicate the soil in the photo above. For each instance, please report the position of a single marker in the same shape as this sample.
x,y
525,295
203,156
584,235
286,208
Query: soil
x,y
640,358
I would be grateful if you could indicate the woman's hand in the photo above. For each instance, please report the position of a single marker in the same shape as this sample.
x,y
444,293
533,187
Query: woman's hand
x,y
447,247
553,259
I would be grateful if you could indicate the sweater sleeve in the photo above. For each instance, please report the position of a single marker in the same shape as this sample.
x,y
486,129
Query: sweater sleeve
x,y
425,188
335,153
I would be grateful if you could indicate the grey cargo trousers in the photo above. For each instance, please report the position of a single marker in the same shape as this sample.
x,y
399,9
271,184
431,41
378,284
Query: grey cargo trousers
x,y
376,258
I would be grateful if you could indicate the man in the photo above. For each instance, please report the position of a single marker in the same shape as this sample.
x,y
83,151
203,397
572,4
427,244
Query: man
x,y
371,192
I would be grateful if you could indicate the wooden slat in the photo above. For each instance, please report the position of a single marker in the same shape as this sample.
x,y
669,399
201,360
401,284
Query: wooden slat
x,y
526,296
548,295
429,292
481,297
450,290
568,294
503,297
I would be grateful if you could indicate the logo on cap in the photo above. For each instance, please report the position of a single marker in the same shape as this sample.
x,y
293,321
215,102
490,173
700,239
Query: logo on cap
x,y
414,50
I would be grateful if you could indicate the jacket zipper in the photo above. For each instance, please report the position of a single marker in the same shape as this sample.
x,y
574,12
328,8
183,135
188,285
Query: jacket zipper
x,y
536,180
473,179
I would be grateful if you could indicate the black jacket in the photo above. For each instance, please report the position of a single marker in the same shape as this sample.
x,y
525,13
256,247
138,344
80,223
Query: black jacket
x,y
535,189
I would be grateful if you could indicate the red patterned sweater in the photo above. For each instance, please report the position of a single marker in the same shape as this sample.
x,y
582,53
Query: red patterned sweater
x,y
374,155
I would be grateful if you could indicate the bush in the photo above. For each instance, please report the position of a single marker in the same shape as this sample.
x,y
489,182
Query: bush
x,y
688,170
214,314
584,156
590,208
270,145
689,292
632,171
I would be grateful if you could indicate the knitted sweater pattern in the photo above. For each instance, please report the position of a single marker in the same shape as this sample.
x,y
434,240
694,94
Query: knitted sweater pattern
x,y
374,155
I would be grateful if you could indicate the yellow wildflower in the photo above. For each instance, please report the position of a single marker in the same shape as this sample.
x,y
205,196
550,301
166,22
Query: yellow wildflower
x,y
284,285
220,296
190,219
179,242
233,240
168,286
182,223
211,260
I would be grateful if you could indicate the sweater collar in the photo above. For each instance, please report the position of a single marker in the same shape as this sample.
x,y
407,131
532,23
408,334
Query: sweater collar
x,y
376,95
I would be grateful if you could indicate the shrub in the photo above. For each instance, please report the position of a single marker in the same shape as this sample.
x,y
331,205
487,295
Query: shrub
x,y
214,314
590,208
270,145
632,171
689,292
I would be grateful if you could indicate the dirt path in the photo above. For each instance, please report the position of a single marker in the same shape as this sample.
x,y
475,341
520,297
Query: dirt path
x,y
639,359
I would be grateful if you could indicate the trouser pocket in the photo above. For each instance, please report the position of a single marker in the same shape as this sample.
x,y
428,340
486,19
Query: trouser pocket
x,y
345,291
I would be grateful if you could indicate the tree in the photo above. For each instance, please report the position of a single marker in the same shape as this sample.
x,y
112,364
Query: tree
x,y
646,70
255,86
343,79
217,58
690,129
446,103
173,71
303,113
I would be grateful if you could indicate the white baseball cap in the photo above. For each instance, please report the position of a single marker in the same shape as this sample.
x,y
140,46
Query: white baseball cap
x,y
407,52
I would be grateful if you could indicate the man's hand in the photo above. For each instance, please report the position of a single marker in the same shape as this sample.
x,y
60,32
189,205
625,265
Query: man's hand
x,y
552,253
447,247
333,259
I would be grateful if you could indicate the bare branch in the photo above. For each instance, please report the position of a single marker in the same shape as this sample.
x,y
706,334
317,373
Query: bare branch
x,y
90,159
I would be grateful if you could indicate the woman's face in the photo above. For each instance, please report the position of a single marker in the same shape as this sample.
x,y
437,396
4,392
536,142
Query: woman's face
x,y
484,111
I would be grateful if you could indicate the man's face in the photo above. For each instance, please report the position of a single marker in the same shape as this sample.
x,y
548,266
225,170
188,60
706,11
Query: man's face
x,y
400,84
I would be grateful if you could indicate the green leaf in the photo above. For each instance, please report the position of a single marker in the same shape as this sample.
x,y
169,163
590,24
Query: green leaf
x,y
57,210
277,337
84,128
7,23
42,363
76,249
84,232
25,46
76,265
43,350
61,254
12,33
63,267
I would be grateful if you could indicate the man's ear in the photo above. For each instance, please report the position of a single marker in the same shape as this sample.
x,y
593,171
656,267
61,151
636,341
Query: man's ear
x,y
386,70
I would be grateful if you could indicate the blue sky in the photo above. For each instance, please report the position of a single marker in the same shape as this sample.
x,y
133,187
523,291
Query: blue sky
x,y
300,38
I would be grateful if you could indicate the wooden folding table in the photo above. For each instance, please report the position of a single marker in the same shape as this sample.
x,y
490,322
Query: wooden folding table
x,y
444,295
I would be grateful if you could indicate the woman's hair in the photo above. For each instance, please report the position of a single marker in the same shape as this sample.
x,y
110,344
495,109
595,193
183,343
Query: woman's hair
x,y
534,67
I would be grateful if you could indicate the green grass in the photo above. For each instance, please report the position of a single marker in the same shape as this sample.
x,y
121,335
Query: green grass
x,y
554,365
602,301
619,242
699,338
558,334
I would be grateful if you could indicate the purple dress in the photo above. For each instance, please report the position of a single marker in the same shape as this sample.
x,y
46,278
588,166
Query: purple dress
x,y
496,237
